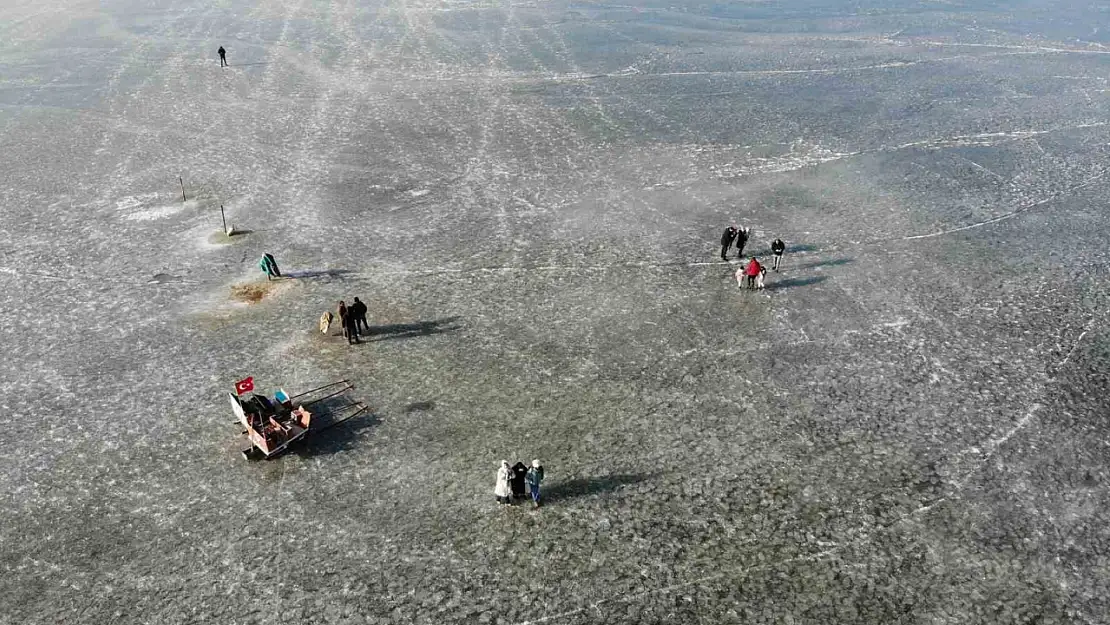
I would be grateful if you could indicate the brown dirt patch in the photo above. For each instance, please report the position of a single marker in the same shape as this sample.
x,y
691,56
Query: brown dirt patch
x,y
253,292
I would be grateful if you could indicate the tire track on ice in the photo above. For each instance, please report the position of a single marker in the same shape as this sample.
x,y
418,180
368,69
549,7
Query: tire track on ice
x,y
479,194
321,130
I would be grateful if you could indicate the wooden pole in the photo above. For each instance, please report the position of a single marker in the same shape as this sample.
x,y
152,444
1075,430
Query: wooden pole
x,y
224,219
182,188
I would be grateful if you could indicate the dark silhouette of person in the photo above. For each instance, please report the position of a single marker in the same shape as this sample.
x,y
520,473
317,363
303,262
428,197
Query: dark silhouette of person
x,y
223,56
726,241
520,470
741,240
358,311
352,328
777,248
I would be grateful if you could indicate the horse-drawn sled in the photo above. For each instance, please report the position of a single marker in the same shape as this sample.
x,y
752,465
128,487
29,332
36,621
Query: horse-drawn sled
x,y
274,424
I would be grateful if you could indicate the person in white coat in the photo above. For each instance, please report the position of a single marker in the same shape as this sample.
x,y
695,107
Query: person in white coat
x,y
501,488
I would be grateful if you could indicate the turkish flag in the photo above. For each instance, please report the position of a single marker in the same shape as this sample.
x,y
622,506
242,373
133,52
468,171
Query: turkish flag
x,y
245,385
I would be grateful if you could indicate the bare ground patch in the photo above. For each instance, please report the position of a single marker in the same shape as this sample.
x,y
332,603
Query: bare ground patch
x,y
254,292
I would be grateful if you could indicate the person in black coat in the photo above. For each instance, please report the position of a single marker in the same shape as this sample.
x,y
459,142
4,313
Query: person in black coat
x,y
223,56
358,311
350,328
777,248
741,239
517,482
726,241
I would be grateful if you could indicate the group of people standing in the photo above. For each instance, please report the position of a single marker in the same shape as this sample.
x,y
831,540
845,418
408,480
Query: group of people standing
x,y
512,482
753,274
352,320
734,235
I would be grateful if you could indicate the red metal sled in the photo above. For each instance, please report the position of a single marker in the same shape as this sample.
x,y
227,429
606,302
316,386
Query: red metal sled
x,y
273,424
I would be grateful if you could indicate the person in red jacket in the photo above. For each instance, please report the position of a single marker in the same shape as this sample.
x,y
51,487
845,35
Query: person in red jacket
x,y
752,271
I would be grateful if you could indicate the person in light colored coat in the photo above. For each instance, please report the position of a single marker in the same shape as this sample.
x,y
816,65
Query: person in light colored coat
x,y
501,488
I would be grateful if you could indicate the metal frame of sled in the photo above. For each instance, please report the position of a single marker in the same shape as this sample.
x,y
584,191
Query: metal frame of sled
x,y
272,425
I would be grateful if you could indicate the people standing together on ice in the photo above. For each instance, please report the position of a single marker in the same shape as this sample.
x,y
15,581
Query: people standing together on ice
x,y
352,320
739,236
753,274
510,482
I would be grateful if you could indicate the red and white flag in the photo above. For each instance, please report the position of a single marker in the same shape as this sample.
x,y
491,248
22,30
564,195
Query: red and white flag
x,y
245,385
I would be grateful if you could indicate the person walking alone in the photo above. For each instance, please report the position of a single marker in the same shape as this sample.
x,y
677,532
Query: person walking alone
x,y
533,479
777,248
726,241
223,56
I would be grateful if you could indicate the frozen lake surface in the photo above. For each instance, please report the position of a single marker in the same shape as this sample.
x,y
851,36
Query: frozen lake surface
x,y
908,426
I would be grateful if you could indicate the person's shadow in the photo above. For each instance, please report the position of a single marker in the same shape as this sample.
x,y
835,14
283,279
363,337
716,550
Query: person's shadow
x,y
316,273
832,262
410,330
792,282
585,486
802,247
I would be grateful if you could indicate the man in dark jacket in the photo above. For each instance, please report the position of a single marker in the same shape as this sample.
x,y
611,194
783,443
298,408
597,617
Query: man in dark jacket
x,y
358,311
351,329
777,248
741,239
223,56
726,241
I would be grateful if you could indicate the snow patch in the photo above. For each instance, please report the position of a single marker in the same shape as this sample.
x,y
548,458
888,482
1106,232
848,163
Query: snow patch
x,y
142,207
134,201
156,212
